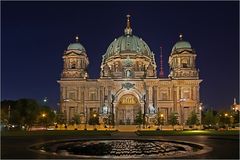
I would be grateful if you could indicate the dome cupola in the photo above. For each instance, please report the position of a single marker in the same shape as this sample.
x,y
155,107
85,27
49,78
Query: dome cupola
x,y
76,45
181,44
75,62
182,61
128,43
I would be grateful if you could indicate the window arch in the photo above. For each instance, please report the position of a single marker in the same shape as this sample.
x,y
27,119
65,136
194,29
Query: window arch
x,y
185,63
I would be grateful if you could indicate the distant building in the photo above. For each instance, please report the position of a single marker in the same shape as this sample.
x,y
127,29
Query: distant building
x,y
129,82
235,106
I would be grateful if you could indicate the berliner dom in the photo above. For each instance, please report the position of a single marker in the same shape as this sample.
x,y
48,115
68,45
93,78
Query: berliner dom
x,y
128,83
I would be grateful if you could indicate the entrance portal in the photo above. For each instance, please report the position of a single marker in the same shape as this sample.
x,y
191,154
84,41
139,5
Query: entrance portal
x,y
127,109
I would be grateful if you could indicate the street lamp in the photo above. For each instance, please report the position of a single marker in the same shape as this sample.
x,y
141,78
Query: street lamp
x,y
43,117
161,120
45,100
95,115
226,119
200,112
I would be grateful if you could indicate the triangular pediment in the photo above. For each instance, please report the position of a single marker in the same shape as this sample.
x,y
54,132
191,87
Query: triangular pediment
x,y
73,54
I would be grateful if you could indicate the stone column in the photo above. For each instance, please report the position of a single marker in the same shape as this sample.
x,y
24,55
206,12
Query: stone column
x,y
101,96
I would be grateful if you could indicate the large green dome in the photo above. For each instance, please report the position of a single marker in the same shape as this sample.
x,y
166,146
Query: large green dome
x,y
128,44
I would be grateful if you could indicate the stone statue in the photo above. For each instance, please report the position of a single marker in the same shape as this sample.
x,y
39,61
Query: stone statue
x,y
128,73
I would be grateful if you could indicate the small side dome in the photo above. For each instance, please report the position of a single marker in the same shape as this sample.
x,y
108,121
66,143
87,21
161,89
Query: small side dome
x,y
182,44
76,46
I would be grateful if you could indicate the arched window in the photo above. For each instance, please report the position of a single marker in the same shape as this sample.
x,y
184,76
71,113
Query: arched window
x,y
73,66
185,63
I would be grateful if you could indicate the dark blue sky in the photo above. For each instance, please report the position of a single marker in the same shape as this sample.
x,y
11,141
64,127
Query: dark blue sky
x,y
35,34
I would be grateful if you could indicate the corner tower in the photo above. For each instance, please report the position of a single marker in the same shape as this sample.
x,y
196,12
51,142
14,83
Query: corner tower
x,y
182,61
75,62
185,80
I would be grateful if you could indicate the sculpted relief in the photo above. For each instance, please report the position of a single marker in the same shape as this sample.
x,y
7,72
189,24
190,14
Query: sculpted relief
x,y
128,100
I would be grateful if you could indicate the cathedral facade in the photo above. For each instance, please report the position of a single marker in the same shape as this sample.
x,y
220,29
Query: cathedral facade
x,y
129,85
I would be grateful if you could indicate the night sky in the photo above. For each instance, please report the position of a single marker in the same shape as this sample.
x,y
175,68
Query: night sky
x,y
34,36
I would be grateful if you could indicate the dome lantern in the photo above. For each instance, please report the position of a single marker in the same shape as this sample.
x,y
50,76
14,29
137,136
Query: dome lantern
x,y
76,45
128,29
181,44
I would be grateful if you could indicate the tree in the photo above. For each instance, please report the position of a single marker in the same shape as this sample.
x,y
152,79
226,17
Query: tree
x,y
26,112
235,117
5,106
192,119
139,118
76,119
48,118
160,119
209,118
173,119
60,119
94,119
223,119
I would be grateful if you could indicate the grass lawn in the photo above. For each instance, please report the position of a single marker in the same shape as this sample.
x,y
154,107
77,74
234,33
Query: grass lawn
x,y
56,133
189,133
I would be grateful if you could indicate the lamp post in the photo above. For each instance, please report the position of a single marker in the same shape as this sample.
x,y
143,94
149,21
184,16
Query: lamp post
x,y
226,119
94,116
43,117
200,113
161,120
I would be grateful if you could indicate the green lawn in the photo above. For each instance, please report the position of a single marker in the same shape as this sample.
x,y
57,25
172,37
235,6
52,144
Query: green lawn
x,y
189,133
56,133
